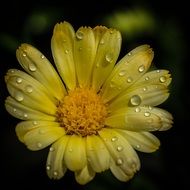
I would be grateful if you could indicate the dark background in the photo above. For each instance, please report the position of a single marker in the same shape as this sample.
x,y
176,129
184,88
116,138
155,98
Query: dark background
x,y
161,24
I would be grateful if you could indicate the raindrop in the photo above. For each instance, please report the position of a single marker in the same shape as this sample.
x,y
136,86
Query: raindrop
x,y
147,114
51,149
150,107
12,71
41,131
119,161
141,68
19,80
48,167
80,49
109,57
19,97
122,73
147,78
135,100
111,31
42,56
129,79
113,139
119,148
66,51
39,145
25,115
112,85
29,88
137,146
158,71
64,41
97,65
24,54
129,54
162,79
14,109
55,173
79,35
137,109
35,122
145,89
32,67
70,150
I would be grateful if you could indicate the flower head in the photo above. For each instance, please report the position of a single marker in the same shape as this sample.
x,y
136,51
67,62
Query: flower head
x,y
97,113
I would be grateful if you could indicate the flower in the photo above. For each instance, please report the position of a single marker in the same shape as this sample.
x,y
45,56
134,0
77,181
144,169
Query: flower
x,y
97,113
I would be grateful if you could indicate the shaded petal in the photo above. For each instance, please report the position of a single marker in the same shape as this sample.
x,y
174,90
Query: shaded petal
x,y
55,166
118,172
29,92
37,65
97,153
108,48
39,138
142,141
62,49
85,175
75,153
121,151
23,112
84,55
152,95
128,70
25,126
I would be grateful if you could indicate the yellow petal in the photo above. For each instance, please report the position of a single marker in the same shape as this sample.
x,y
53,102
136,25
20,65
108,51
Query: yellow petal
x,y
151,95
62,49
29,92
109,44
37,65
85,175
55,166
118,172
128,70
39,138
141,141
84,55
75,153
25,126
23,112
134,119
97,154
121,151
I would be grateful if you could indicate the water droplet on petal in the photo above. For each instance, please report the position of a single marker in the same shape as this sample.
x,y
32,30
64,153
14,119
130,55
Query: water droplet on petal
x,y
129,54
51,149
70,150
113,139
119,161
66,51
135,100
137,146
145,89
112,85
147,114
97,65
24,54
122,73
158,71
111,31
129,79
147,78
109,57
48,167
119,148
18,80
162,79
39,145
14,109
150,107
12,71
80,49
42,56
35,122
79,35
19,96
141,68
102,42
32,67
29,88
137,109
25,115
41,131
55,173
150,120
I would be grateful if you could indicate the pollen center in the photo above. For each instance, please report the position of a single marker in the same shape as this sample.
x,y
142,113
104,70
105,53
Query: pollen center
x,y
81,112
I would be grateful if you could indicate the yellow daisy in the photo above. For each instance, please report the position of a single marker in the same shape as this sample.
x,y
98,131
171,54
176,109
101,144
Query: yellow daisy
x,y
97,114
